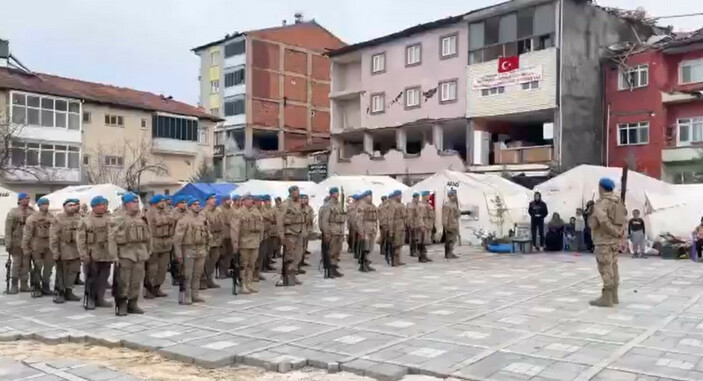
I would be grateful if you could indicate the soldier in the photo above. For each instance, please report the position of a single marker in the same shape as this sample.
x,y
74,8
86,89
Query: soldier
x,y
309,218
161,227
180,208
215,221
14,227
332,218
383,224
450,224
351,218
130,241
607,226
291,228
91,241
397,224
425,223
84,210
247,231
226,247
278,240
414,223
35,244
268,215
367,228
62,241
191,246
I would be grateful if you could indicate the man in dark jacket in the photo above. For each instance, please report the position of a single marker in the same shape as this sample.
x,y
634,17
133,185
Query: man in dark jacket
x,y
537,211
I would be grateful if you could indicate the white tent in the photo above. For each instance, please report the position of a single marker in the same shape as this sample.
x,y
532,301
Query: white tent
x,y
478,194
350,185
85,193
8,200
678,221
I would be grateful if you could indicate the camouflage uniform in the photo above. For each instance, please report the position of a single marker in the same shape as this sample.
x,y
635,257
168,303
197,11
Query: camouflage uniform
x,y
247,232
161,226
332,219
268,216
352,237
14,227
367,228
62,241
414,223
215,221
92,242
397,222
425,224
35,245
383,225
226,248
291,227
129,240
607,227
191,245
450,224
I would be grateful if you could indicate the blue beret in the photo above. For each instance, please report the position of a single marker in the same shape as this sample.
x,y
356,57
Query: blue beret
x,y
98,200
72,201
334,190
43,201
425,193
266,197
179,199
129,197
225,197
366,193
210,195
355,196
236,197
293,188
22,196
606,184
416,195
302,195
192,201
397,193
167,197
155,199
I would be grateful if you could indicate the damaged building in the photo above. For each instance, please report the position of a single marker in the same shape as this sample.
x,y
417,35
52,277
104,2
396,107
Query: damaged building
x,y
511,88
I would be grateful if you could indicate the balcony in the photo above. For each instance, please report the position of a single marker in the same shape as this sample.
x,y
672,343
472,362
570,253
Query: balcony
x,y
346,94
236,60
682,154
175,147
235,90
44,175
522,155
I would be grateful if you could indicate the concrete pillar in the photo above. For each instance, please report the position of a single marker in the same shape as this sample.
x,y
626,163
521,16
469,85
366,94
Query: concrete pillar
x,y
368,143
248,141
438,136
557,137
401,140
470,128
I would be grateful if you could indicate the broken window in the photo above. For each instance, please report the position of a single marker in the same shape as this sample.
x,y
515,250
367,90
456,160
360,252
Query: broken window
x,y
234,106
234,78
525,22
507,28
476,36
235,48
491,31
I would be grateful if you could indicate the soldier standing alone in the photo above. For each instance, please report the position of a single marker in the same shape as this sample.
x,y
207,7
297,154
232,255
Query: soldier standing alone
x,y
332,219
247,231
450,223
215,222
607,226
91,240
35,244
130,241
14,227
191,244
62,241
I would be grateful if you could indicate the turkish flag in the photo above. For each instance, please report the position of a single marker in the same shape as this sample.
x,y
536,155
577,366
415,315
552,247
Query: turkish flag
x,y
506,64
431,200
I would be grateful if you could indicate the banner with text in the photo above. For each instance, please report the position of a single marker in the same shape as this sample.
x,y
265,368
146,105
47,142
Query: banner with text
x,y
514,77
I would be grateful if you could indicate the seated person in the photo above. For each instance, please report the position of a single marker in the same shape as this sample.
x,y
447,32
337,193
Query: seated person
x,y
570,235
554,240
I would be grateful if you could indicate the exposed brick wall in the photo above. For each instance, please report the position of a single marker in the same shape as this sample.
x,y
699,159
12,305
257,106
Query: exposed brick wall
x,y
295,61
265,55
320,121
264,113
265,84
308,35
321,68
321,95
292,140
295,89
295,117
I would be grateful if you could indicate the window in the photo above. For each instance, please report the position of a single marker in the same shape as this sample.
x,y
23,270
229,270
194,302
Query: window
x,y
169,127
234,78
412,97
202,135
492,91
530,85
378,63
114,120
43,111
215,58
413,55
143,123
44,155
215,86
690,131
691,72
447,91
234,106
87,117
114,161
215,111
637,76
378,103
86,159
448,46
235,48
633,133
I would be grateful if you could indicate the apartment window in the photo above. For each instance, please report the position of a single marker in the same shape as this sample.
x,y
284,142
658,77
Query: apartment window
x,y
215,111
690,130
448,46
87,117
633,133
44,155
447,91
413,55
202,135
215,86
234,106
234,78
412,97
45,111
634,77
492,91
169,127
378,63
143,123
520,32
378,103
114,161
530,85
114,120
691,72
214,57
235,48
86,159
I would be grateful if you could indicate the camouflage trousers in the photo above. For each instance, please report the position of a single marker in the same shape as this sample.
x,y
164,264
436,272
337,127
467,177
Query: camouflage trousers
x,y
607,257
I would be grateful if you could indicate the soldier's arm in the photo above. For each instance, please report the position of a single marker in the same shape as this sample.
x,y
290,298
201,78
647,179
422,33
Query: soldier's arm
x,y
81,235
323,219
116,236
600,214
27,235
178,239
54,230
234,233
149,240
9,223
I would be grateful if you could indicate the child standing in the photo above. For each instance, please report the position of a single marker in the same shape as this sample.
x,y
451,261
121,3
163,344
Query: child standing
x,y
636,232
579,228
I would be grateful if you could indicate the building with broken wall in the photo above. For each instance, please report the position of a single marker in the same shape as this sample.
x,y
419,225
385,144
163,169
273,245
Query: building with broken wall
x,y
433,97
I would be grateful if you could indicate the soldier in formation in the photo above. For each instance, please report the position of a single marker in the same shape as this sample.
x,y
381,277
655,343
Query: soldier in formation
x,y
291,227
161,227
226,248
331,220
414,222
35,245
62,242
191,246
396,216
366,216
14,228
247,232
92,242
215,222
424,225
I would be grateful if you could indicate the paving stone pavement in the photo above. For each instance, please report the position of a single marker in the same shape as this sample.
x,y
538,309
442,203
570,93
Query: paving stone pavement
x,y
64,370
483,317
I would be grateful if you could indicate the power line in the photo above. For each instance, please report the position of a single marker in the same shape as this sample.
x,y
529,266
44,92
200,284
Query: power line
x,y
678,16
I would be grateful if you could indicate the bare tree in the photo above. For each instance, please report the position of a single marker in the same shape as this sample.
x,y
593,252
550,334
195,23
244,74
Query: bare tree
x,y
141,161
10,132
98,170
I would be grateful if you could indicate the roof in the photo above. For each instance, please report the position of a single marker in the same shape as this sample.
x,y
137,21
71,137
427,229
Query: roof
x,y
202,190
685,40
14,79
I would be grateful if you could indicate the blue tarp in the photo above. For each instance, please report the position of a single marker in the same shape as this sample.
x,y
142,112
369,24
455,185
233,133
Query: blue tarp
x,y
202,190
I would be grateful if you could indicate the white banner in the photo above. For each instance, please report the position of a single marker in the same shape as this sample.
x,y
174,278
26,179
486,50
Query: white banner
x,y
514,77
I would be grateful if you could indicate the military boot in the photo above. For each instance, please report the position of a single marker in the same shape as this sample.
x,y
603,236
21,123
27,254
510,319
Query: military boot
x,y
148,294
70,296
158,293
244,281
195,297
187,298
368,266
605,300
133,308
451,256
300,270
336,273
211,283
101,302
422,259
58,298
46,289
78,281
254,286
614,293
121,309
295,280
13,287
89,303
24,286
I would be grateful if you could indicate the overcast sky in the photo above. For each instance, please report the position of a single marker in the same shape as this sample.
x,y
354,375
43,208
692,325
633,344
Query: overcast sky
x,y
145,44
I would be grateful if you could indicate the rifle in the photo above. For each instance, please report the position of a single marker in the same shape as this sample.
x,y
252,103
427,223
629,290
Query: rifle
x,y
326,262
284,270
116,285
35,277
60,287
623,182
177,275
388,248
89,288
8,268
234,271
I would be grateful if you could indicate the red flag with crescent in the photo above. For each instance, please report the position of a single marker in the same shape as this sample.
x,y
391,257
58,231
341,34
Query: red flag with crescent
x,y
506,64
431,200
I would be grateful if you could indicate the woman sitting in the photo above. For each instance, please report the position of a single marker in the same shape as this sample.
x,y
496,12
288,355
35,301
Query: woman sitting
x,y
555,234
